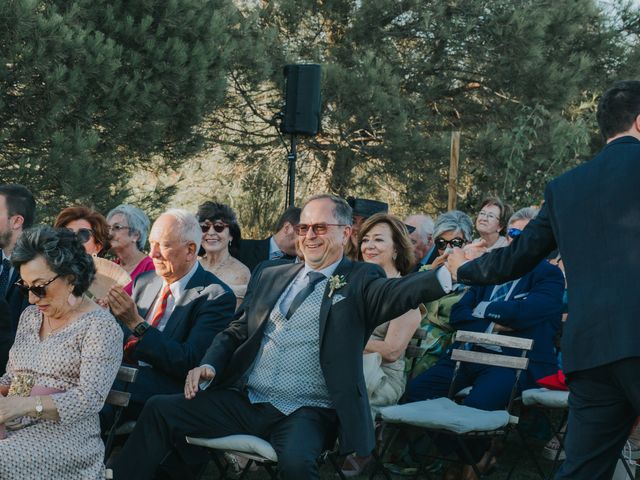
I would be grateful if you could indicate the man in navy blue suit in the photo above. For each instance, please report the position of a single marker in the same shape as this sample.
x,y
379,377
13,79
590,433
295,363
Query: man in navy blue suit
x,y
528,307
174,312
17,212
592,215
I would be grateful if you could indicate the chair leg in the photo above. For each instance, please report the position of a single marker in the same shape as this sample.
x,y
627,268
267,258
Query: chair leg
x,y
626,467
530,454
273,474
331,456
468,457
379,457
246,470
222,469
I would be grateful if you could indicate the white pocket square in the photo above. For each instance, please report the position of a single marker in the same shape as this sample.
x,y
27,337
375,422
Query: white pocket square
x,y
337,298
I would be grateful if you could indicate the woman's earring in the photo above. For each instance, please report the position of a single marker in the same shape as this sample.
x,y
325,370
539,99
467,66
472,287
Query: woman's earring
x,y
72,300
395,255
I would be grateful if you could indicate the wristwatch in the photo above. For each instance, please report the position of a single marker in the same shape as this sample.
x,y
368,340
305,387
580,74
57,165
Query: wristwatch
x,y
139,329
39,408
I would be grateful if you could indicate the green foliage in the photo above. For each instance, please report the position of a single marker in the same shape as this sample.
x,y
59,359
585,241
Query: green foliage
x,y
90,91
519,79
95,94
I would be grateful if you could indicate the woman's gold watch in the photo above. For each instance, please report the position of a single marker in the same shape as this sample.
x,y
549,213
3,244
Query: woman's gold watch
x,y
39,408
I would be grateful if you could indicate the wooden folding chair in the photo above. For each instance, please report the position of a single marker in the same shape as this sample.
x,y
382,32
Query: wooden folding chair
x,y
443,416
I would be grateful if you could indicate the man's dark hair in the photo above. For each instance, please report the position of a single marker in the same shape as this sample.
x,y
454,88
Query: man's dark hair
x,y
19,201
618,108
291,215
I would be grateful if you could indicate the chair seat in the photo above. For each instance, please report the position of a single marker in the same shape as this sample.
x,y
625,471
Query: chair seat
x,y
238,443
546,397
445,414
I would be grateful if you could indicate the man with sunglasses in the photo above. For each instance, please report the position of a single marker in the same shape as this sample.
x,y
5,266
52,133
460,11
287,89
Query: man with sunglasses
x,y
17,213
592,215
289,367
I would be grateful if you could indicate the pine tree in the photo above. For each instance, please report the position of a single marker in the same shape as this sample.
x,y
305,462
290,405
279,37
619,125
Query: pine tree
x,y
91,91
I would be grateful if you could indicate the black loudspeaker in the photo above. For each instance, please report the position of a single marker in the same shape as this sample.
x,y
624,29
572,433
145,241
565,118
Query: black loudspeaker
x,y
302,99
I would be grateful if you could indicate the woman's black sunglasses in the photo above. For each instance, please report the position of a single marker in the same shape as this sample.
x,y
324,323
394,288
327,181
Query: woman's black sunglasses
x,y
39,291
441,243
84,234
217,226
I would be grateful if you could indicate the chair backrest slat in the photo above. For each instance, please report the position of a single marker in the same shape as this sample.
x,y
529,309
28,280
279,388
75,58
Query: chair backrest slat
x,y
414,351
420,334
118,398
493,339
127,374
494,359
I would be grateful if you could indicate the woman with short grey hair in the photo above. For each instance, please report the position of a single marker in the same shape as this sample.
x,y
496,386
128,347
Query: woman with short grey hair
x,y
61,366
454,221
128,230
453,229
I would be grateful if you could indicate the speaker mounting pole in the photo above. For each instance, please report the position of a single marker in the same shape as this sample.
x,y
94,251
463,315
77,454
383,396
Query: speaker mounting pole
x,y
301,112
292,156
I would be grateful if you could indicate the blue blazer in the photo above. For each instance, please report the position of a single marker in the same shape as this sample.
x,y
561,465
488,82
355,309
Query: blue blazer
x,y
204,310
533,310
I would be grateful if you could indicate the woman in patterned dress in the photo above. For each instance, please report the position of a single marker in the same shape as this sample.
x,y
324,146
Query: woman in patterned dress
x,y
66,355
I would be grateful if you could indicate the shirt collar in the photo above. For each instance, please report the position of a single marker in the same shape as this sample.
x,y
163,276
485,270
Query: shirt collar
x,y
273,246
179,286
327,271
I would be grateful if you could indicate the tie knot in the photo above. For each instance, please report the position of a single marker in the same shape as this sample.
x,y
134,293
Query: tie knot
x,y
315,277
166,291
6,263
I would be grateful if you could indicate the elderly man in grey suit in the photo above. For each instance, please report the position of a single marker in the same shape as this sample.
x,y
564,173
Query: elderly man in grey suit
x,y
175,312
289,367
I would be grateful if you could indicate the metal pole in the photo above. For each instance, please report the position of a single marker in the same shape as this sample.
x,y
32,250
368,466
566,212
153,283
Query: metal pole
x,y
292,172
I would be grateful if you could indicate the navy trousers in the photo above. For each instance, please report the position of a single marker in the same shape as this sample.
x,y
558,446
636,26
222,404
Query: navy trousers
x,y
604,403
298,439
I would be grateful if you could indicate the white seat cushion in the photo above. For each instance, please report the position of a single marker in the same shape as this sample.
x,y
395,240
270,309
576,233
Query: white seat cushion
x,y
464,392
546,397
445,414
238,443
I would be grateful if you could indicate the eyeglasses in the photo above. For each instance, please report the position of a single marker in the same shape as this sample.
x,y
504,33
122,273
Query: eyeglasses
x,y
39,291
457,242
318,228
84,234
514,232
217,227
116,228
487,215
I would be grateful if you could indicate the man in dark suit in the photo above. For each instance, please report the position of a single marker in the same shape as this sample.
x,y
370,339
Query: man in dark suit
x,y
289,367
282,244
175,312
17,212
592,215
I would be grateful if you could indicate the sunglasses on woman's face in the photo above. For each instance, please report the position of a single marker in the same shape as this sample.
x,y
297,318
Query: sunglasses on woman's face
x,y
217,227
514,232
441,243
39,291
84,234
